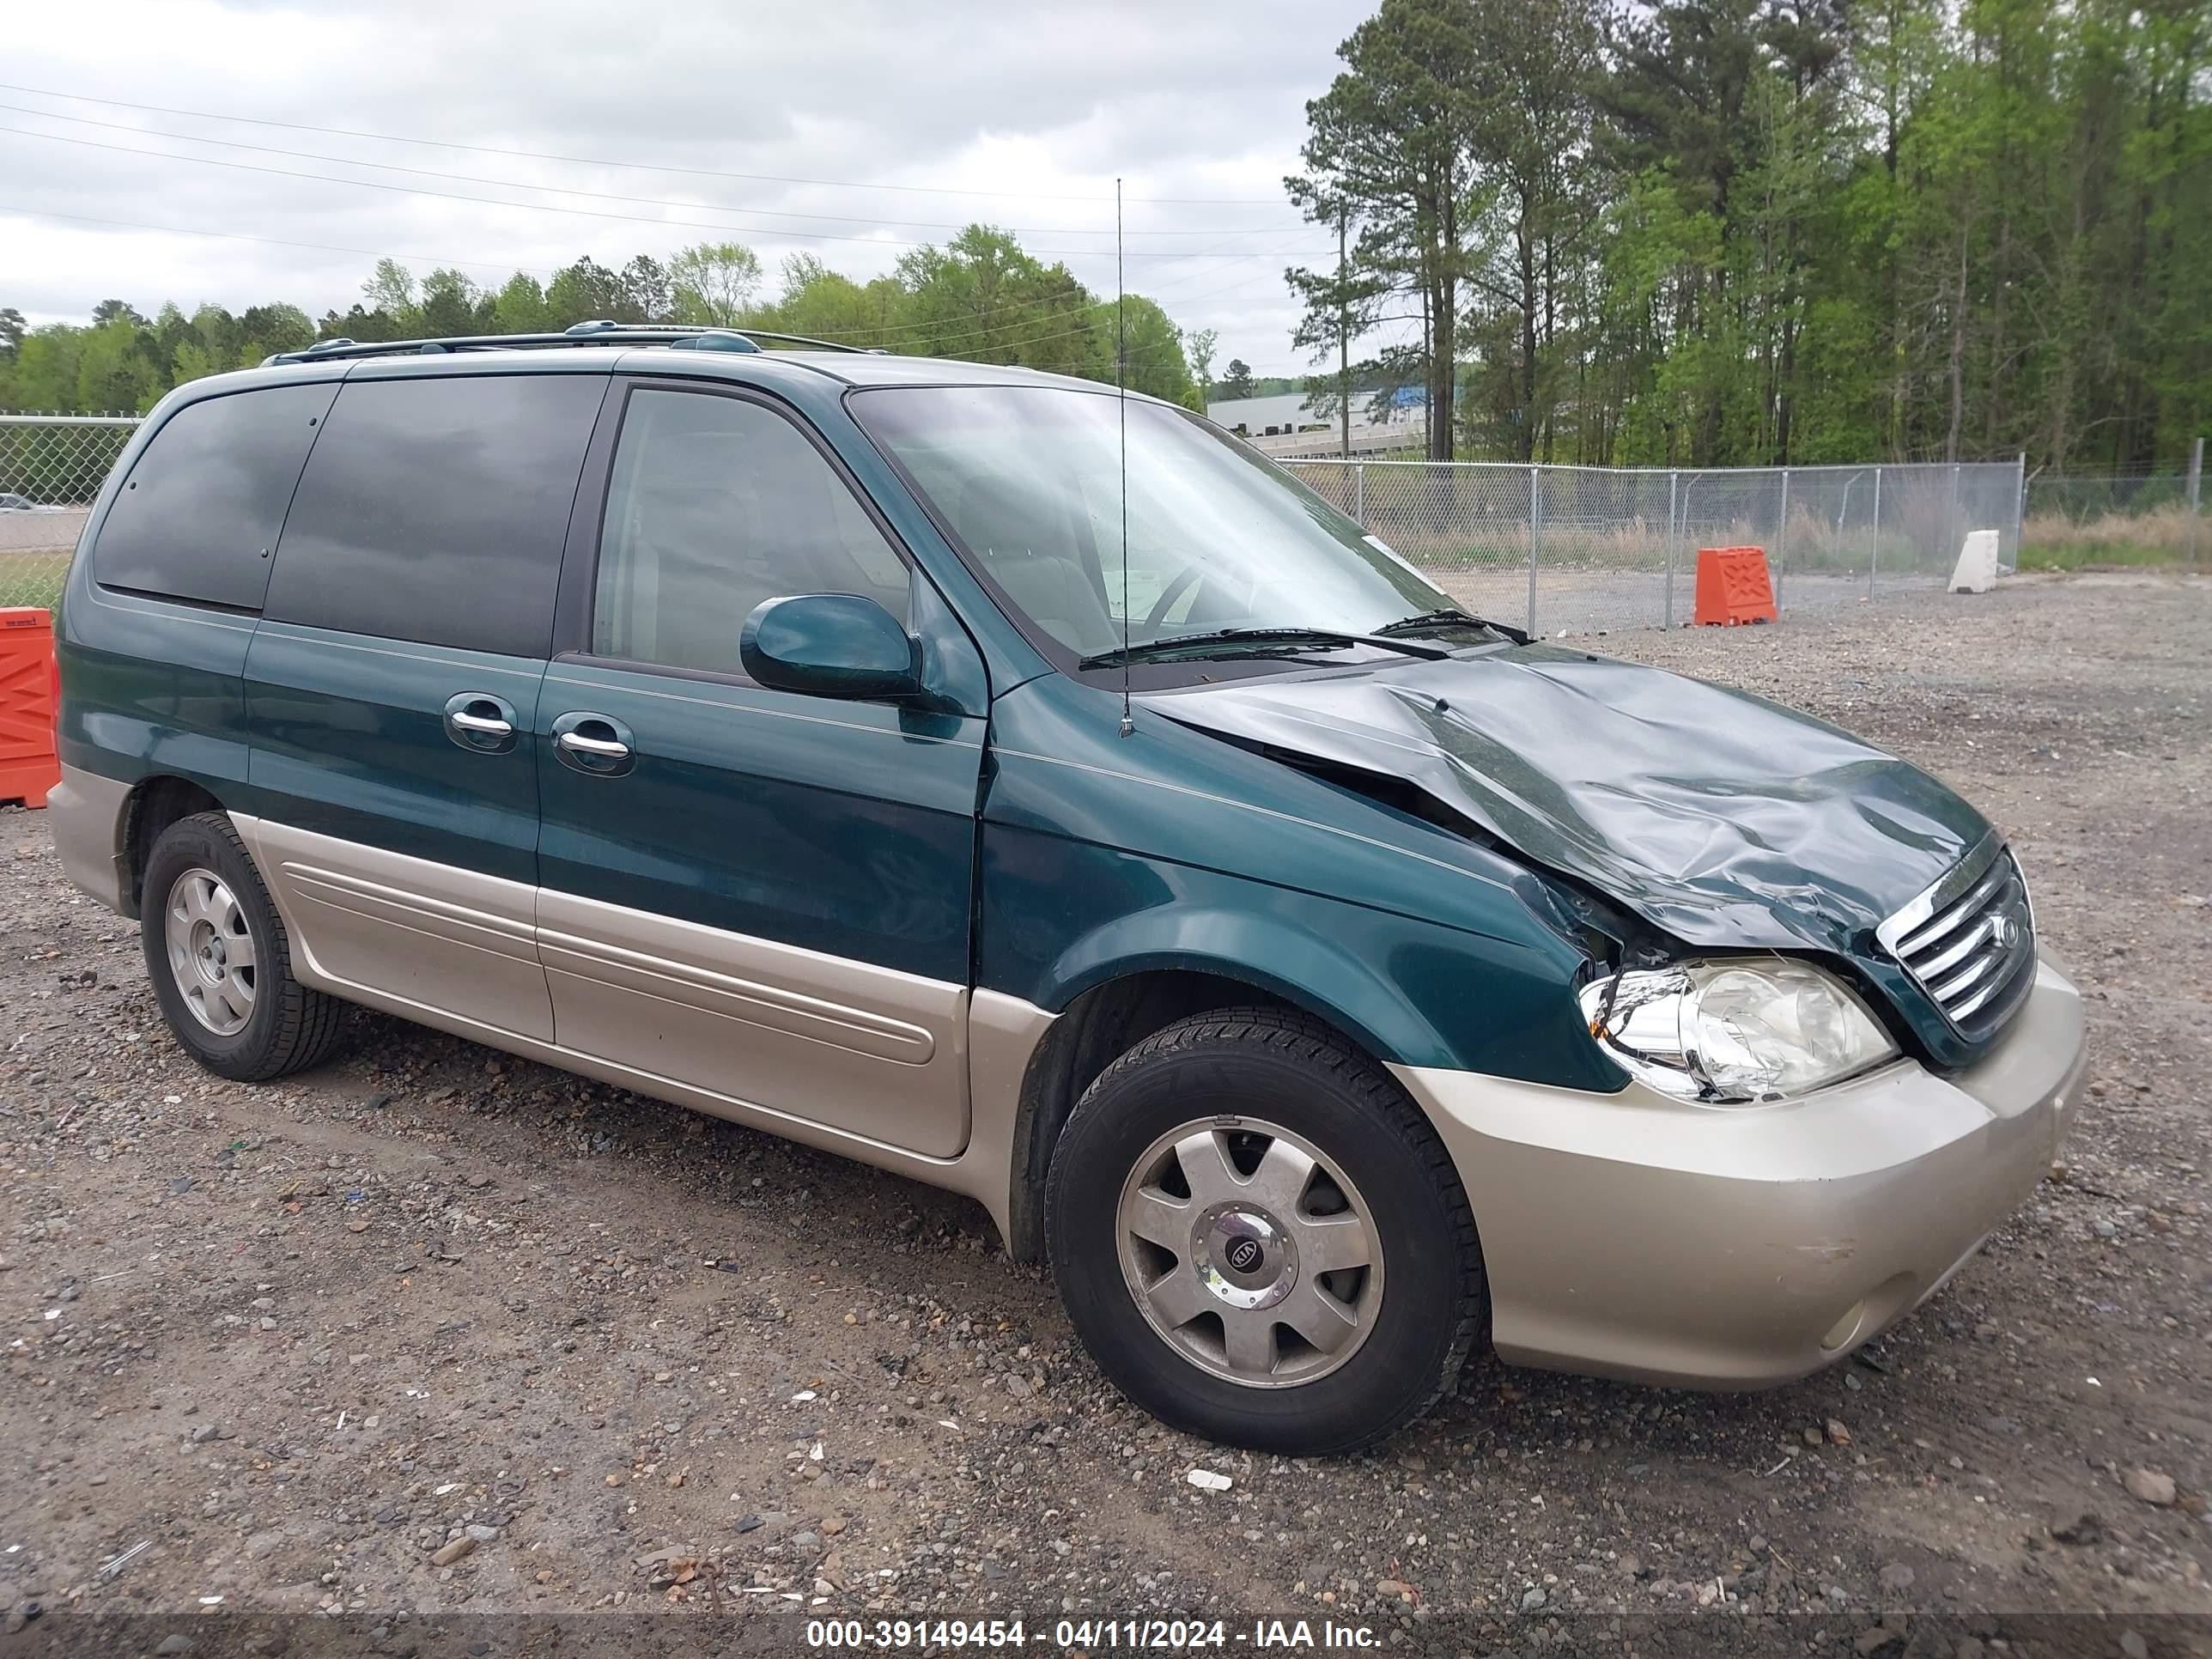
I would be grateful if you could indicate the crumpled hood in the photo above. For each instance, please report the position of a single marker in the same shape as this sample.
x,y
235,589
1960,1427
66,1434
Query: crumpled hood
x,y
1721,818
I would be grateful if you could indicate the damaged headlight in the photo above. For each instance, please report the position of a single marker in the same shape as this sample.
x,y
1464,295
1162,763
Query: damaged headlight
x,y
1734,1033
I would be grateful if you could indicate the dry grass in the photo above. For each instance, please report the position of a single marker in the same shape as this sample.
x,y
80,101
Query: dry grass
x,y
33,579
1812,542
2164,527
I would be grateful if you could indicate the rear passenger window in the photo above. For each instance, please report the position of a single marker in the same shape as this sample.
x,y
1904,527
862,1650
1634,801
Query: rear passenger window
x,y
434,510
197,518
715,505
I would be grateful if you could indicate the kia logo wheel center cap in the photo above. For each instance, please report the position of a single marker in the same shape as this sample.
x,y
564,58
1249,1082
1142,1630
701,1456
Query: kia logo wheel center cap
x,y
1244,1255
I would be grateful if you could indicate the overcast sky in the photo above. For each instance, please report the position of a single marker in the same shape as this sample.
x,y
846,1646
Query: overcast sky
x,y
1022,116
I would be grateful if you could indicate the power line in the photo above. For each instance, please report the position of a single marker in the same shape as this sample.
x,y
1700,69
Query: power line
x,y
982,339
538,206
638,166
273,241
597,195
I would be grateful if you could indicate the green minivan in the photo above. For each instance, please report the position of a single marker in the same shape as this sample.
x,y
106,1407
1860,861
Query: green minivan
x,y
1036,792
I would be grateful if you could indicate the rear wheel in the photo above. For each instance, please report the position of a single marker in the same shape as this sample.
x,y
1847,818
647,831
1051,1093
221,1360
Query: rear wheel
x,y
1213,1214
221,963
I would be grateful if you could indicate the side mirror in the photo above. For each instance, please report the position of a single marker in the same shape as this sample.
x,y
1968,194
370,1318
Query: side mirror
x,y
830,645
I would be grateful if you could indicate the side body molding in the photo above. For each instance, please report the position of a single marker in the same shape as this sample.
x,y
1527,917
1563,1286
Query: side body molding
x,y
870,1050
840,1055
426,934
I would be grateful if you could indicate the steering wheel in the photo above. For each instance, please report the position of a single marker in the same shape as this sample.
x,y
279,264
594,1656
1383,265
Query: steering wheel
x,y
1183,579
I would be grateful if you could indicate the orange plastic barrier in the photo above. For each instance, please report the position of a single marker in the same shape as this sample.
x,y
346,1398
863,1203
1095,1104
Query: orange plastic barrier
x,y
1734,587
30,691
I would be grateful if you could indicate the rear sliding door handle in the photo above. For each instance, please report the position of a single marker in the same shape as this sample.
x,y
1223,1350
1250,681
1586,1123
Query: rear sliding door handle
x,y
602,748
597,744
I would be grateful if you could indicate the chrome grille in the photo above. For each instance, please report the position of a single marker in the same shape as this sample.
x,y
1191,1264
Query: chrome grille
x,y
1970,941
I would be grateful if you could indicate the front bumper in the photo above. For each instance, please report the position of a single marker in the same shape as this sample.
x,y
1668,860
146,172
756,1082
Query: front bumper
x,y
1630,1235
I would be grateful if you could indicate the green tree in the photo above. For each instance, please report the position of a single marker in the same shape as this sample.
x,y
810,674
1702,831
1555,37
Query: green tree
x,y
827,305
588,292
193,360
44,371
1342,303
278,327
1236,379
357,323
646,288
116,368
1528,139
1157,366
1387,144
980,297
1678,103
714,284
390,289
1199,345
450,305
520,306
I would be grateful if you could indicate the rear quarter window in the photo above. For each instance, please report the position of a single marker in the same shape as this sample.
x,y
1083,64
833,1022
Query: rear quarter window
x,y
198,516
434,510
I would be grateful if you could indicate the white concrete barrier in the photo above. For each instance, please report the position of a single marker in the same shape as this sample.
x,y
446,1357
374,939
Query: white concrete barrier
x,y
1976,569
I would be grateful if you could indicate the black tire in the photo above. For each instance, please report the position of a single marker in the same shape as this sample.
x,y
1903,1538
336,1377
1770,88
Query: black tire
x,y
290,1027
1296,1073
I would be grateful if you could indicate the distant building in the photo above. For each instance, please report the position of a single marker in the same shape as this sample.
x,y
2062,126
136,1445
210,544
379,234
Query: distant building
x,y
1286,424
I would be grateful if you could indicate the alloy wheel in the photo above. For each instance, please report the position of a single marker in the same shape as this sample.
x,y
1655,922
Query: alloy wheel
x,y
1251,1251
210,950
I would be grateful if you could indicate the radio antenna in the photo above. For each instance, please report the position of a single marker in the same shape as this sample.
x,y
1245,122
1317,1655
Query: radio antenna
x,y
1121,417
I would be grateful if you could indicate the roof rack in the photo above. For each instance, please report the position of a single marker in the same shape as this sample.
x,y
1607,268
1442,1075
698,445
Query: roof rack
x,y
581,334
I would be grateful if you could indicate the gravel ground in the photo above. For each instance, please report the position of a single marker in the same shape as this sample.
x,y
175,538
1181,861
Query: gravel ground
x,y
432,1335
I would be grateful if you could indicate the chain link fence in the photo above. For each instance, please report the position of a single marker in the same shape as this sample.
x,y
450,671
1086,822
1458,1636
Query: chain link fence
x,y
51,468
1573,549
1560,549
2147,519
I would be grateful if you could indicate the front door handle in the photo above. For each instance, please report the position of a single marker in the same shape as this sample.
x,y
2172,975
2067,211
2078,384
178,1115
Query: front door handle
x,y
479,721
596,744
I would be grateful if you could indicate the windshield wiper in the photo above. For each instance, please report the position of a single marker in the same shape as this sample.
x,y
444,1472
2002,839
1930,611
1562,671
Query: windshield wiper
x,y
1448,615
1238,637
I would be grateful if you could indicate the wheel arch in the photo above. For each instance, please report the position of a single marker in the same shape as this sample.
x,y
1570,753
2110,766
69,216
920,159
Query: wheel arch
x,y
155,802
1105,1016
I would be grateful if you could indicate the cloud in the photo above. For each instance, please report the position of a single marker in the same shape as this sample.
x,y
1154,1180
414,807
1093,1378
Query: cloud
x,y
1021,117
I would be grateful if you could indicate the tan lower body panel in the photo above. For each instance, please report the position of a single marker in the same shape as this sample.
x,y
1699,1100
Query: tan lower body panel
x,y
85,812
909,1074
1634,1235
429,934
866,1049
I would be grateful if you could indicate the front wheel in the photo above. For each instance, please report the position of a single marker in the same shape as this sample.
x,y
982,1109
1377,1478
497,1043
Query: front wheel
x,y
1260,1239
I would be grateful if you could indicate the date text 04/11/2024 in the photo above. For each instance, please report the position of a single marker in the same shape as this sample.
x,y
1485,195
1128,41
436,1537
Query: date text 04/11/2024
x,y
1086,1634
1180,1633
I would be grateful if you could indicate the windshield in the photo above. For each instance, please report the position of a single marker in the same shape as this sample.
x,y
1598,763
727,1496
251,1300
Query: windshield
x,y
1030,478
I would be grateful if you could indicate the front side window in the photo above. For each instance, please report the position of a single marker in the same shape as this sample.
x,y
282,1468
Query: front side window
x,y
1030,479
715,504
